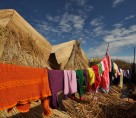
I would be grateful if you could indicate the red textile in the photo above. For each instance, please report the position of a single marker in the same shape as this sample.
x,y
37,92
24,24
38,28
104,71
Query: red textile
x,y
97,77
19,84
105,75
109,61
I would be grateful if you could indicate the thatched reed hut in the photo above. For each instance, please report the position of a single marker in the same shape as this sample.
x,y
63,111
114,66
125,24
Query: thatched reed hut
x,y
68,55
20,43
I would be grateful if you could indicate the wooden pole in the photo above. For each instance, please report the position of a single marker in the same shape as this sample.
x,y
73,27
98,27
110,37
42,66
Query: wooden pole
x,y
134,55
107,49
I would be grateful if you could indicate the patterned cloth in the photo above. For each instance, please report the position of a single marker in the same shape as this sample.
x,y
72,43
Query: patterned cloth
x,y
21,85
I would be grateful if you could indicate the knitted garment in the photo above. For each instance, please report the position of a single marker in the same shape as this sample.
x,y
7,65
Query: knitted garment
x,y
22,85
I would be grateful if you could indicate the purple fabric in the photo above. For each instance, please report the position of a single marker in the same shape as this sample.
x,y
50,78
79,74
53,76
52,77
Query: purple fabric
x,y
56,82
85,75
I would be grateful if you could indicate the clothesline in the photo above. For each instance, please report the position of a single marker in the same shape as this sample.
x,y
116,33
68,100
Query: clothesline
x,y
18,79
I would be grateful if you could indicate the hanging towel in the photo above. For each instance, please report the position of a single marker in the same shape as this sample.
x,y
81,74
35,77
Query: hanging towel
x,y
109,61
112,71
97,77
105,77
56,81
115,70
80,81
70,82
91,76
102,66
86,76
100,69
121,79
20,84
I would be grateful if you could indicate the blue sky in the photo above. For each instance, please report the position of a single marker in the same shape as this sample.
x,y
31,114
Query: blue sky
x,y
94,22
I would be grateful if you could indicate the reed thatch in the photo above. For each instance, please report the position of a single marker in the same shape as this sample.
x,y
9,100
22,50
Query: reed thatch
x,y
20,43
68,55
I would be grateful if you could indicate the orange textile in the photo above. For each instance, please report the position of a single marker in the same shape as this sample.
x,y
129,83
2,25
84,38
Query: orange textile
x,y
45,105
20,85
23,107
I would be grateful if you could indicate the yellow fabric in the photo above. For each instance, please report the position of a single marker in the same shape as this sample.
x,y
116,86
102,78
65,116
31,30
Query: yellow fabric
x,y
91,76
115,69
121,79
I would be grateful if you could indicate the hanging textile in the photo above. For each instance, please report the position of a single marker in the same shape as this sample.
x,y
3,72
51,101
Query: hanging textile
x,y
115,70
102,66
121,79
105,77
19,84
85,76
23,107
56,82
80,82
91,76
97,77
109,61
100,69
70,82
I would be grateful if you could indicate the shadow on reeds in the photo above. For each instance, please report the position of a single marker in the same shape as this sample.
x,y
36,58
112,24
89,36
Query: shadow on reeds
x,y
115,111
35,112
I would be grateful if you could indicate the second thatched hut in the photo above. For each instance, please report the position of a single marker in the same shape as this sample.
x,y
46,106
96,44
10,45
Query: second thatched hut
x,y
68,55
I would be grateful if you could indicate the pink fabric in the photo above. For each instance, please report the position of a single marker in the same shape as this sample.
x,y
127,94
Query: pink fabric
x,y
109,61
105,75
70,82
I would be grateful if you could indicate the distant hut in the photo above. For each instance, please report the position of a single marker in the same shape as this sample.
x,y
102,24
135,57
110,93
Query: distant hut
x,y
68,55
20,43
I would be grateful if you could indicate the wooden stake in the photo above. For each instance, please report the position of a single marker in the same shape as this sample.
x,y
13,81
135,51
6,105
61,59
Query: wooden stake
x,y
107,49
134,55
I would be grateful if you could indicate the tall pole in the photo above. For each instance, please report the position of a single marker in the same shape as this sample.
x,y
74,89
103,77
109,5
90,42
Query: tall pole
x,y
134,68
107,49
134,55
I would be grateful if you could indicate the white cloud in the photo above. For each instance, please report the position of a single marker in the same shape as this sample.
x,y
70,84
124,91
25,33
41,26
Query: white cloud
x,y
53,19
129,17
70,22
82,7
119,37
118,25
123,34
98,51
117,2
97,21
50,18
98,26
80,2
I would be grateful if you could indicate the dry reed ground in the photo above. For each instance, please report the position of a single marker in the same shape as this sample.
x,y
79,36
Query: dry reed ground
x,y
104,106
